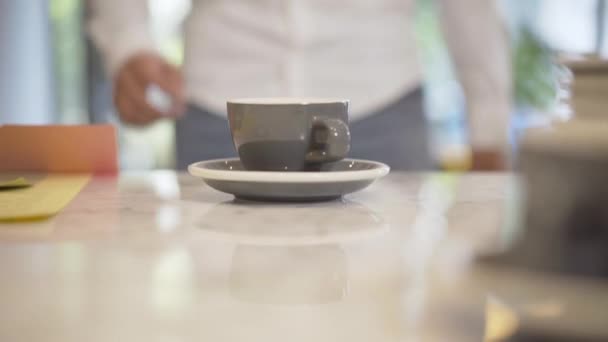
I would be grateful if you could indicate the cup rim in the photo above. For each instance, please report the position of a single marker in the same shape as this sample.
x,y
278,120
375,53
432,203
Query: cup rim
x,y
274,101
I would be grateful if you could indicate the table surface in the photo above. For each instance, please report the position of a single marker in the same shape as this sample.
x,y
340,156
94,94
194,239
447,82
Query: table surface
x,y
159,256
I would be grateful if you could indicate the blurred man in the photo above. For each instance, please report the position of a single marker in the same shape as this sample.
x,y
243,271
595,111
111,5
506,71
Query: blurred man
x,y
363,50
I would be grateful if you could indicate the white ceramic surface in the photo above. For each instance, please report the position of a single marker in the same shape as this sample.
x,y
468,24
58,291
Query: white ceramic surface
x,y
331,182
138,258
201,169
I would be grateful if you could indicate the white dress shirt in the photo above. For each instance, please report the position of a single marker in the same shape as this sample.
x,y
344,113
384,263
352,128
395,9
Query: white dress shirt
x,y
362,50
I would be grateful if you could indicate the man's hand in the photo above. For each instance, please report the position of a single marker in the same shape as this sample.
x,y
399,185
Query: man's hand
x,y
135,76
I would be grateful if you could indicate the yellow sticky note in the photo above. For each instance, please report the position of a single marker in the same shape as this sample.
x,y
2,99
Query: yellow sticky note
x,y
45,198
19,182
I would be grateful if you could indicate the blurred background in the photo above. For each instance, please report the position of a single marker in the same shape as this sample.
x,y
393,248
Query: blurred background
x,y
50,72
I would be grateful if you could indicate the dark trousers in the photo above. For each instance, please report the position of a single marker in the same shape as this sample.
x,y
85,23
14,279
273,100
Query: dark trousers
x,y
396,135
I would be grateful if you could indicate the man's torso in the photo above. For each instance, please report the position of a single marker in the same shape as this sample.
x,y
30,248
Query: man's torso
x,y
363,50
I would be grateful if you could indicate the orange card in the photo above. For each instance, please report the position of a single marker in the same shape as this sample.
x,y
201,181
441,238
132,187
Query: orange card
x,y
58,148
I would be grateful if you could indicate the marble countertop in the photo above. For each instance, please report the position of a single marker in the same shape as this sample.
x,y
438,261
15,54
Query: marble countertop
x,y
159,256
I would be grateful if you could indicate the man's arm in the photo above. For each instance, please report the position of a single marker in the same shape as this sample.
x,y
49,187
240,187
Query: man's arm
x,y
480,50
120,30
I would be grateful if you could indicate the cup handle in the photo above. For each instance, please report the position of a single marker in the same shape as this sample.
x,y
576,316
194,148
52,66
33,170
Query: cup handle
x,y
329,141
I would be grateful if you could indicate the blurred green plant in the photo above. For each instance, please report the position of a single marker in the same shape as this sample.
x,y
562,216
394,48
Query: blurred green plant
x,y
535,72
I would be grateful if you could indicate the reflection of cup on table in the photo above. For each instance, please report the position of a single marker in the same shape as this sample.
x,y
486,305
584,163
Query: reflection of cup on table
x,y
291,223
289,275
289,253
320,271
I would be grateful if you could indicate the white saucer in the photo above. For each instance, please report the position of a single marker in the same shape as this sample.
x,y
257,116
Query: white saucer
x,y
332,182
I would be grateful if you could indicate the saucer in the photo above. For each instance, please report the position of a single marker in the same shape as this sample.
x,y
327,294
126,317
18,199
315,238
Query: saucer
x,y
332,182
